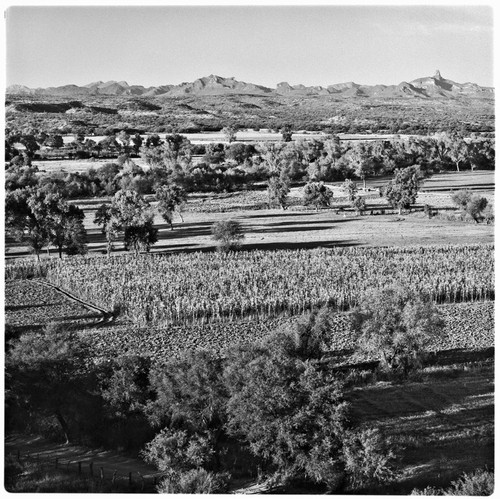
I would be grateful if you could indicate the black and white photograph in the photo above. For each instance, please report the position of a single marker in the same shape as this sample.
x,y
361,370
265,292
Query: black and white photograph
x,y
249,248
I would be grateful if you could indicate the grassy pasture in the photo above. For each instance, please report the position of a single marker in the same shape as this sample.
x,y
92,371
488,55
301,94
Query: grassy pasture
x,y
443,425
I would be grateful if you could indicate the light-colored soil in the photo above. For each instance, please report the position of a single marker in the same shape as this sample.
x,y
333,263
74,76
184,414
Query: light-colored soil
x,y
294,229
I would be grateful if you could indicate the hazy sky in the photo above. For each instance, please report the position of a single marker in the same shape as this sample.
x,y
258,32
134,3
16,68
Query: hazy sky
x,y
317,45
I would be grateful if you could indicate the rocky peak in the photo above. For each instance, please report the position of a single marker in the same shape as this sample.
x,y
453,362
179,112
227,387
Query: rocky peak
x,y
437,75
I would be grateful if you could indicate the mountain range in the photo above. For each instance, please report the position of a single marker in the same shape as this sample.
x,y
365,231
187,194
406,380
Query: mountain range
x,y
426,88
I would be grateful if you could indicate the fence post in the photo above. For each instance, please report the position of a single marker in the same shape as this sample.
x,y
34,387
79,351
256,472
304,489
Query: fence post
x,y
113,480
91,467
142,480
130,478
18,455
79,467
57,462
102,473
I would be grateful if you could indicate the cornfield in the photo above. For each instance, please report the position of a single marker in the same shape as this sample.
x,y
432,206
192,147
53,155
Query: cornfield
x,y
183,288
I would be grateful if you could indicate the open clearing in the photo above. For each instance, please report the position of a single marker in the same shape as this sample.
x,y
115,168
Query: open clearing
x,y
297,229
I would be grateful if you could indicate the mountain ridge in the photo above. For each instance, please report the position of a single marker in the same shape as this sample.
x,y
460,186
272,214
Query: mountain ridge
x,y
427,87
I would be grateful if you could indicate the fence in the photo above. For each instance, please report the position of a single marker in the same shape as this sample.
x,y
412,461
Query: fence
x,y
97,474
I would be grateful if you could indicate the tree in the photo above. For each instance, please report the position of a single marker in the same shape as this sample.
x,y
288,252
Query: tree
x,y
131,215
361,158
170,198
286,133
137,143
458,150
124,139
402,190
106,217
278,187
461,198
228,234
475,206
22,223
141,235
229,133
359,204
289,411
190,404
350,188
472,204
62,222
317,194
397,327
47,377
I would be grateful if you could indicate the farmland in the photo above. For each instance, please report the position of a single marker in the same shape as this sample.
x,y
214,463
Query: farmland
x,y
272,331
203,286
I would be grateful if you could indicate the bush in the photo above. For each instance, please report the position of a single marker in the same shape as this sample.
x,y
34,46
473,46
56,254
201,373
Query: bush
x,y
489,214
478,483
196,481
228,234
368,459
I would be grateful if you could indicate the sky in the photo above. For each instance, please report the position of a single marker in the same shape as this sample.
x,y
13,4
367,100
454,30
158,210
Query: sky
x,y
312,45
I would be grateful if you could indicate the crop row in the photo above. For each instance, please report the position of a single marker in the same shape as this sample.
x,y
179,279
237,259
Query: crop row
x,y
166,289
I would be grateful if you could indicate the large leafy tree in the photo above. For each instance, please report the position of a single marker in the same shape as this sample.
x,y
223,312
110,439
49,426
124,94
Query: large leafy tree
x,y
278,187
396,327
362,160
47,376
402,190
171,198
290,412
63,222
22,223
317,194
190,399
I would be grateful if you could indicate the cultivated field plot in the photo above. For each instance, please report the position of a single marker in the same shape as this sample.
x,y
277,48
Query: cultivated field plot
x,y
30,305
167,289
468,326
441,425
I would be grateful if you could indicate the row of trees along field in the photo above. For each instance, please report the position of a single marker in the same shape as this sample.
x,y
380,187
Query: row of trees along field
x,y
275,406
225,167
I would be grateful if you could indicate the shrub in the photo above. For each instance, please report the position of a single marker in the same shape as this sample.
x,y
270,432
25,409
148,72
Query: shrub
x,y
368,458
196,481
428,210
478,483
489,213
228,234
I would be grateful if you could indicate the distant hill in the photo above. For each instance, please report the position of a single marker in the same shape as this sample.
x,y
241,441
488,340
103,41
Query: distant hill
x,y
429,87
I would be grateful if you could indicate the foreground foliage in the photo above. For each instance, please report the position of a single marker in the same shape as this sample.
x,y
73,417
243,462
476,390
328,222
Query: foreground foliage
x,y
478,483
